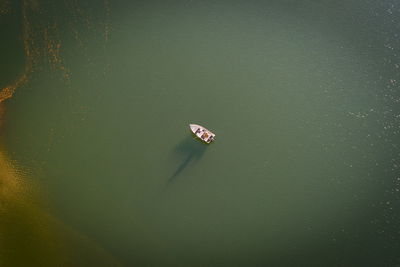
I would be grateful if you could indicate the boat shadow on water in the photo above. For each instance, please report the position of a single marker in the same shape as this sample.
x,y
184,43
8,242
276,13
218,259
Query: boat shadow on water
x,y
190,150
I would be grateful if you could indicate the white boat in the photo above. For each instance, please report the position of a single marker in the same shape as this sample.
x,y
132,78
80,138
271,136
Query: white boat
x,y
202,133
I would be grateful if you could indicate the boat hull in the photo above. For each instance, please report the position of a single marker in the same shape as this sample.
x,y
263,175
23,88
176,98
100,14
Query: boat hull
x,y
202,133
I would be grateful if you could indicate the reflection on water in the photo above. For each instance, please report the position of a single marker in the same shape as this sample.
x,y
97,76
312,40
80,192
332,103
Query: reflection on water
x,y
189,150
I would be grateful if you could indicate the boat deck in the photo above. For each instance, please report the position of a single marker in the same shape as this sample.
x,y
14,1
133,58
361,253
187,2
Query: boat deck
x,y
202,133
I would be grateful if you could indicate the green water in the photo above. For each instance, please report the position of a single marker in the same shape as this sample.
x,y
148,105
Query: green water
x,y
303,97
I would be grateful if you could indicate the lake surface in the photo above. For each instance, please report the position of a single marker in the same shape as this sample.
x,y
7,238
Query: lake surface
x,y
99,167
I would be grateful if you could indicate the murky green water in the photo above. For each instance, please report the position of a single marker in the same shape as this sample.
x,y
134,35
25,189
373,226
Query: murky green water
x,y
303,97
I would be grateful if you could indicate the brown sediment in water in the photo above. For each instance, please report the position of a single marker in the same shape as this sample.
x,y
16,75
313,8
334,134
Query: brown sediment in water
x,y
8,91
2,111
29,234
5,7
40,44
40,34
